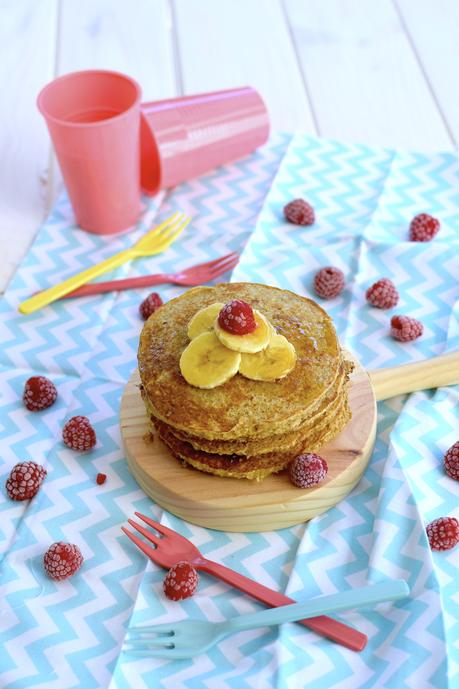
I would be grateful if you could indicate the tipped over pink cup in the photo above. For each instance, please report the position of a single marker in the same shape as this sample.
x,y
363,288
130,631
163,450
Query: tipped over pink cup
x,y
110,148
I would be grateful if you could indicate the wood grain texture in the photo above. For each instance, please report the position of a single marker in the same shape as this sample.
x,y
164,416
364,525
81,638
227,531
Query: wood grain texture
x,y
28,40
243,42
420,375
362,75
238,504
433,28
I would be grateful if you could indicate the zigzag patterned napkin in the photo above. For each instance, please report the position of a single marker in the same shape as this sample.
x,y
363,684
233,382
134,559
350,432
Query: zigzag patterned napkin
x,y
69,634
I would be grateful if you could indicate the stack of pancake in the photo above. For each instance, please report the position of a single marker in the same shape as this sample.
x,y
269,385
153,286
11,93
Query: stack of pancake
x,y
245,428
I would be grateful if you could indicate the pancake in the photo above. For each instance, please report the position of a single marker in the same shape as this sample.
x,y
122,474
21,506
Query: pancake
x,y
240,408
245,428
283,441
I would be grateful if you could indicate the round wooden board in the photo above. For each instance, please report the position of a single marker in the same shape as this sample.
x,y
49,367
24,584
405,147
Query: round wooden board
x,y
240,505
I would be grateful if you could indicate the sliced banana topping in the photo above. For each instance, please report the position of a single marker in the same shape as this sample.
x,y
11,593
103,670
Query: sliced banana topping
x,y
203,320
207,363
251,342
272,363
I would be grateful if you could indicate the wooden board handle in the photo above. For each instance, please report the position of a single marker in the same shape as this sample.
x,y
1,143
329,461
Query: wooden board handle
x,y
422,375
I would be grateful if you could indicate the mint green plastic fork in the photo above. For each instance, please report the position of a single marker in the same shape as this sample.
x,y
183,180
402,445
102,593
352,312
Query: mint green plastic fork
x,y
189,638
153,242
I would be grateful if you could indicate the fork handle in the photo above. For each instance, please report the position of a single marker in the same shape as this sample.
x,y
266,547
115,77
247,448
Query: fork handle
x,y
119,285
53,293
366,596
325,626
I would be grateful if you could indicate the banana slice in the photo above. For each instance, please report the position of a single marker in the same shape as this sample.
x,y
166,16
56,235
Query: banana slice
x,y
272,363
206,363
203,320
252,342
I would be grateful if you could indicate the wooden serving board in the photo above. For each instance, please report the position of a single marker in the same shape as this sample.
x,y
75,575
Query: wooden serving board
x,y
228,504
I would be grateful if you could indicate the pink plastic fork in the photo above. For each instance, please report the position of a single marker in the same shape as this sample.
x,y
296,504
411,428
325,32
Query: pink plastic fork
x,y
171,547
190,277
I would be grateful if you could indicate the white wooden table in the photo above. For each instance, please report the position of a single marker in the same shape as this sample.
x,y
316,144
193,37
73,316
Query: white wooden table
x,y
379,72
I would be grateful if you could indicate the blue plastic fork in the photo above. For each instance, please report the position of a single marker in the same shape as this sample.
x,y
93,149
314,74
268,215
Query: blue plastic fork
x,y
188,638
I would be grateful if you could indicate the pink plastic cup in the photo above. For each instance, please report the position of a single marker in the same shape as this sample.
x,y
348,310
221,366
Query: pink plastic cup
x,y
94,119
185,137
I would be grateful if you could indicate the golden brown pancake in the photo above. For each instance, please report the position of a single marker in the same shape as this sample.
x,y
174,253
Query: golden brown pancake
x,y
245,428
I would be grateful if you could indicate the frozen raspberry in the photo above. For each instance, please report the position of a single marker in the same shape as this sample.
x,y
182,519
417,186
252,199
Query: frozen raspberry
x,y
149,305
405,329
382,294
78,434
39,393
299,212
329,282
443,533
307,470
62,560
25,480
100,479
451,461
423,228
237,318
181,581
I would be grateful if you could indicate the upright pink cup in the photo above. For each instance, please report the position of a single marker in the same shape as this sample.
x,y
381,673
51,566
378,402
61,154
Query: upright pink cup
x,y
185,137
94,119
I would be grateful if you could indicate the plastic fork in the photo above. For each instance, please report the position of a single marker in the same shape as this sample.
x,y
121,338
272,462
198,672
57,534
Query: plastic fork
x,y
188,638
195,275
153,242
170,547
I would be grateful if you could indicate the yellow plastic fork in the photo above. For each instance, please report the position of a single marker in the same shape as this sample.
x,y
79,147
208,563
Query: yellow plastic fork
x,y
153,242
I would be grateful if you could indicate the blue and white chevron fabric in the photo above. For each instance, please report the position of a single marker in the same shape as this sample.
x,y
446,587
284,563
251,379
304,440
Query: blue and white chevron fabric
x,y
69,635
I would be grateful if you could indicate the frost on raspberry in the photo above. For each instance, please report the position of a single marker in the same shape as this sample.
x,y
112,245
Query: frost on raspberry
x,y
62,560
181,581
382,294
307,470
25,480
423,228
443,533
451,461
405,329
78,434
39,393
237,317
329,282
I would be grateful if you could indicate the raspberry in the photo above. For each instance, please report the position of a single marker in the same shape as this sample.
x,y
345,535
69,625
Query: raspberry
x,y
237,318
62,560
405,329
329,282
307,470
299,212
423,228
25,480
451,461
382,294
100,479
443,533
181,581
39,393
78,434
149,305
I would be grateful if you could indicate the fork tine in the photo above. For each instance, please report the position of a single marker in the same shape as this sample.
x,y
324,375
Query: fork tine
x,y
165,224
156,525
164,629
151,537
223,267
148,550
216,261
169,237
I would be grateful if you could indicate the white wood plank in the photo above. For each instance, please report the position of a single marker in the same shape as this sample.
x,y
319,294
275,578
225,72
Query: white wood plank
x,y
27,37
233,43
129,37
362,75
433,28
